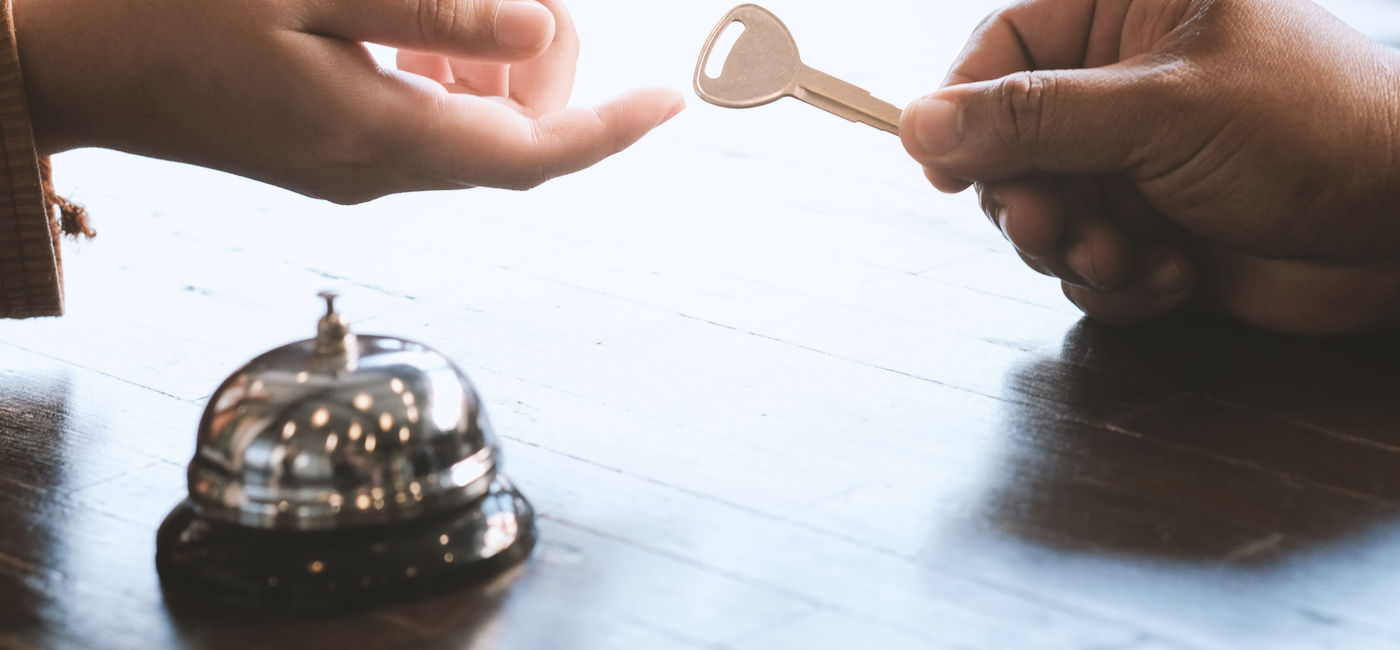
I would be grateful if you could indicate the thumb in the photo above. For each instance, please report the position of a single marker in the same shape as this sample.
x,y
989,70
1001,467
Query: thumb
x,y
1089,121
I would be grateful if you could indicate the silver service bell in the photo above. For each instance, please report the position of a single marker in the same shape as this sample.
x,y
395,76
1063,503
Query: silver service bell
x,y
342,471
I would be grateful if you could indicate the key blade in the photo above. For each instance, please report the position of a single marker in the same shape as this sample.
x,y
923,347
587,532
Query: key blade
x,y
760,68
846,100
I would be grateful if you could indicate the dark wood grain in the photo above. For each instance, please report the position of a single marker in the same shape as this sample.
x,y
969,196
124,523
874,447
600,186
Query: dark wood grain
x,y
765,388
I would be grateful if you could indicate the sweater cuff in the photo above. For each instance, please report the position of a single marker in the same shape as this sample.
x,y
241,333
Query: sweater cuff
x,y
31,280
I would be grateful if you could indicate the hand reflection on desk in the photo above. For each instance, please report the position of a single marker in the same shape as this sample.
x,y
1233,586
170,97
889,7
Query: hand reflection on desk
x,y
1201,441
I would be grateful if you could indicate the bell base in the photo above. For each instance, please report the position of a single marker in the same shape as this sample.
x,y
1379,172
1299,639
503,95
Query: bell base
x,y
334,570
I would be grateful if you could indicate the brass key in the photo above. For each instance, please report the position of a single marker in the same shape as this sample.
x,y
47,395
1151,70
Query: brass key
x,y
764,66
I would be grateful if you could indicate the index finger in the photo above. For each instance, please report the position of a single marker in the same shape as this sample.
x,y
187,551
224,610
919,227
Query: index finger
x,y
1041,35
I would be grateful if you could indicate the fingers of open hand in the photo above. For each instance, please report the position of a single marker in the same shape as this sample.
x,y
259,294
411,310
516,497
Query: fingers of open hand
x,y
432,66
545,82
1162,279
483,78
1056,235
539,85
471,141
505,30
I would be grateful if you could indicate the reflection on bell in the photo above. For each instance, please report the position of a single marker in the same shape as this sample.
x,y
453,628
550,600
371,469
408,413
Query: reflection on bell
x,y
342,471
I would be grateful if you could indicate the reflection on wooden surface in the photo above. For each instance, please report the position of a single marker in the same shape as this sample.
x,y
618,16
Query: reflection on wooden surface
x,y
764,386
1232,447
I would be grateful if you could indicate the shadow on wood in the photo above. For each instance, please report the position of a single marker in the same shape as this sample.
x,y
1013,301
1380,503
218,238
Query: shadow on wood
x,y
462,616
1201,441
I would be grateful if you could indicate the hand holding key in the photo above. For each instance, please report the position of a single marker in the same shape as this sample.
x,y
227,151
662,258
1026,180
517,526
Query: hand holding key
x,y
764,66
1243,155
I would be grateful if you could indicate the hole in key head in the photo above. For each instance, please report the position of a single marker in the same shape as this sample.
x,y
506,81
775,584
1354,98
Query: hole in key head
x,y
714,63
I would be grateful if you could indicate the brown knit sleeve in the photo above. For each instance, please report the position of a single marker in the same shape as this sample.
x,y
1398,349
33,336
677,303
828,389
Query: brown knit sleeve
x,y
31,275
30,279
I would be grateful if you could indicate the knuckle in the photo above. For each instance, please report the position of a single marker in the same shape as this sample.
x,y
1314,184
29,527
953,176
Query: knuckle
x,y
532,170
439,20
1024,99
1184,105
991,20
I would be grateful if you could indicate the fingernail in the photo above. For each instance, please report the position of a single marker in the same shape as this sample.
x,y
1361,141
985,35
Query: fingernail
x,y
1166,279
938,126
522,24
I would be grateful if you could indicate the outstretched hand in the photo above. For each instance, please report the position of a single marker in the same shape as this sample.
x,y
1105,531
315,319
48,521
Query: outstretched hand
x,y
285,91
1242,155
